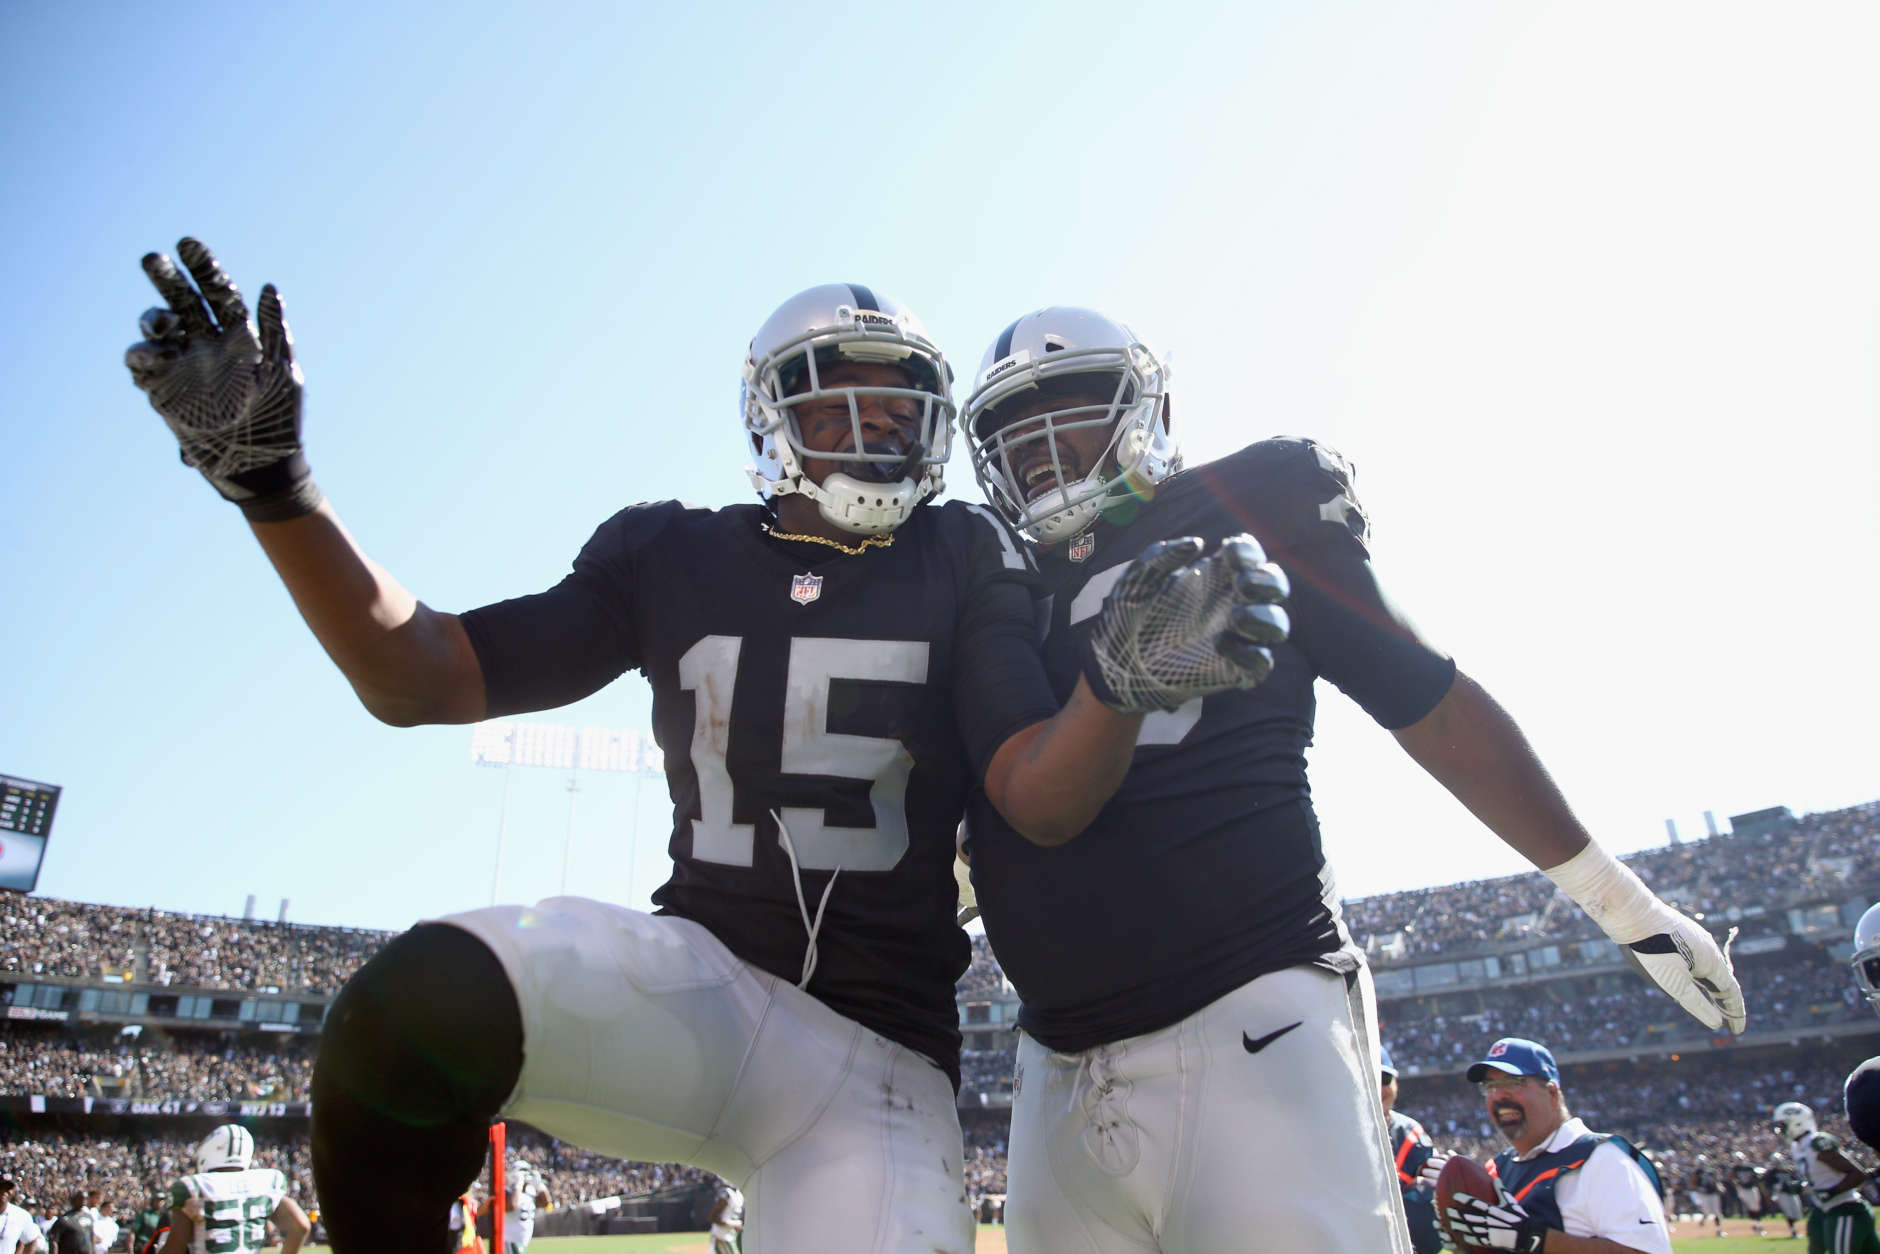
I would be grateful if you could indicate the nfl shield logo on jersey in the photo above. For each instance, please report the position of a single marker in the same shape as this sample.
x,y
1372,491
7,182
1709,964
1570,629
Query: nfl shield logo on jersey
x,y
1083,546
805,588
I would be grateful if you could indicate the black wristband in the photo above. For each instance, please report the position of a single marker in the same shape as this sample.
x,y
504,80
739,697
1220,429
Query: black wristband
x,y
277,492
297,502
1093,673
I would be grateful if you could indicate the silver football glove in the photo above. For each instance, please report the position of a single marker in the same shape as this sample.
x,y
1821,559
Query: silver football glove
x,y
1497,1225
229,393
1174,628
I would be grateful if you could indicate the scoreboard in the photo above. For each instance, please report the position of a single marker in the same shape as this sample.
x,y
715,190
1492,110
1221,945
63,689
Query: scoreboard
x,y
26,808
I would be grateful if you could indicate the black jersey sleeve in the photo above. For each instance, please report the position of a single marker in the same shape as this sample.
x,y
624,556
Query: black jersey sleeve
x,y
1000,686
554,647
1302,499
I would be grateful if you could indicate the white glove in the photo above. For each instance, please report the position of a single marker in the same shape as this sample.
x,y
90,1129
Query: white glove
x,y
1500,1225
1433,1168
1671,950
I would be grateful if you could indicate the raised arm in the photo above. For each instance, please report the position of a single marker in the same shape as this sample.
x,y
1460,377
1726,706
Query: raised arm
x,y
1471,746
229,389
409,663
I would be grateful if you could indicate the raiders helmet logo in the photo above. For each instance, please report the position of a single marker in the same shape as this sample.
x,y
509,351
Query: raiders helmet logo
x,y
805,588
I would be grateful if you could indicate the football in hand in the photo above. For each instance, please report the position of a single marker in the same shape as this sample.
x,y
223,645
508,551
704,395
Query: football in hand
x,y
1462,1175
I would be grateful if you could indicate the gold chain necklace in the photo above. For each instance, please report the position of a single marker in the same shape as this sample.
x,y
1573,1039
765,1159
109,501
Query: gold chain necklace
x,y
880,541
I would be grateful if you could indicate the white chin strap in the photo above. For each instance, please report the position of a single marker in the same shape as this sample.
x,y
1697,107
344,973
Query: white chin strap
x,y
1066,524
867,509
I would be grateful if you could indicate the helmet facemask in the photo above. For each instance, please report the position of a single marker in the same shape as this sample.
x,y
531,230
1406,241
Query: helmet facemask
x,y
1013,459
875,488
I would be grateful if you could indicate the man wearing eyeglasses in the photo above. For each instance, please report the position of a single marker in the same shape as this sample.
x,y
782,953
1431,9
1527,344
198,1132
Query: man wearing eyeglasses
x,y
1564,1189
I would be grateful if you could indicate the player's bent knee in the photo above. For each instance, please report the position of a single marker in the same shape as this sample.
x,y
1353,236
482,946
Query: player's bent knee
x,y
427,1033
418,1053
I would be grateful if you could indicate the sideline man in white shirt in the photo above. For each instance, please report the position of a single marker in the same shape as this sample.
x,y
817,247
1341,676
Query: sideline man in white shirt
x,y
1564,1188
18,1233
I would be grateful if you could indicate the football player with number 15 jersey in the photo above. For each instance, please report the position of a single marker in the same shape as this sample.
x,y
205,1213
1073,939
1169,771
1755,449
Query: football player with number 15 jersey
x,y
225,1205
832,671
1198,1058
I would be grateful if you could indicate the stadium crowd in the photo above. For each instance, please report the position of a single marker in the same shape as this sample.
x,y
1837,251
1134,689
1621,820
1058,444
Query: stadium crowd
x,y
1816,856
107,1062
48,937
1802,989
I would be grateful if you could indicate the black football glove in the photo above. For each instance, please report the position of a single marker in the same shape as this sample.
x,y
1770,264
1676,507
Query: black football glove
x,y
1498,1225
1174,628
230,394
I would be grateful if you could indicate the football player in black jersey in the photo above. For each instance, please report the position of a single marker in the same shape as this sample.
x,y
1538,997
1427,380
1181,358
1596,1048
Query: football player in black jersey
x,y
1198,1058
832,672
1862,1090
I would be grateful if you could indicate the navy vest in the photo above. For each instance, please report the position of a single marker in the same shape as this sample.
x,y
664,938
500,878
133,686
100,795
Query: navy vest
x,y
1532,1183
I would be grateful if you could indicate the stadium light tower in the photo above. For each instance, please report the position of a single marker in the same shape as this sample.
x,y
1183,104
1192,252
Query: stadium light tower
x,y
508,743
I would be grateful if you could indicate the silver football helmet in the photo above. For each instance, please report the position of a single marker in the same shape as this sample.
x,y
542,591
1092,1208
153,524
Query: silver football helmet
x,y
1019,462
1866,957
229,1146
874,491
1792,1119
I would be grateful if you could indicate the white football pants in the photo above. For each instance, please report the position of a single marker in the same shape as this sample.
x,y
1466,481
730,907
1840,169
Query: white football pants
x,y
1254,1124
646,1039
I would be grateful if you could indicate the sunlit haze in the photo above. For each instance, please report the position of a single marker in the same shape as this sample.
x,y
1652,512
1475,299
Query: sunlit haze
x,y
1588,292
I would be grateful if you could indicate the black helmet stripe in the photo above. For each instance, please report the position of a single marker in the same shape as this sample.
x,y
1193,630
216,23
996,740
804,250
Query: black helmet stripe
x,y
1004,347
864,299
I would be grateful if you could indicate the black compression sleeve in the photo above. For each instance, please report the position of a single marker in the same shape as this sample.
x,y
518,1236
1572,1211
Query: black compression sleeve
x,y
549,649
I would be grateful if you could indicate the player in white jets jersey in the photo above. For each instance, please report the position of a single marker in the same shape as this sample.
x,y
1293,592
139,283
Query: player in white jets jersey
x,y
727,1221
1839,1221
525,1192
225,1205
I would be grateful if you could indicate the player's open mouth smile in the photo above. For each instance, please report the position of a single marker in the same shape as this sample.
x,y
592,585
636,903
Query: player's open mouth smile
x,y
1039,476
1508,1115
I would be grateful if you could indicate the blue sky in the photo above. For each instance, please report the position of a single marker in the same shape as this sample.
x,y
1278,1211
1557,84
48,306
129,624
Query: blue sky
x,y
1587,291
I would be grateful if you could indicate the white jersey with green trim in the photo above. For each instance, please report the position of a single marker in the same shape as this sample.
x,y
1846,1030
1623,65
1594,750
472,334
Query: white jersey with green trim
x,y
236,1206
1806,1151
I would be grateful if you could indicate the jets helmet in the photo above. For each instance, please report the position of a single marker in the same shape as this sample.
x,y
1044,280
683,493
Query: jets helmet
x,y
1866,957
230,1145
1792,1120
1021,463
873,490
